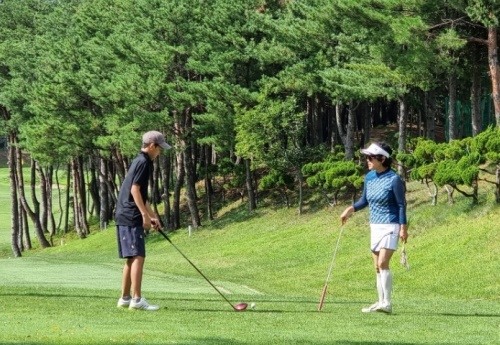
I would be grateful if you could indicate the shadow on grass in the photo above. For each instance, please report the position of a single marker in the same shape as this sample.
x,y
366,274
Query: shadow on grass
x,y
224,341
190,301
488,315
309,305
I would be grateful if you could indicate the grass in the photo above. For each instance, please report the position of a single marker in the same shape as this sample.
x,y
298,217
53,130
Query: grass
x,y
89,319
5,211
277,259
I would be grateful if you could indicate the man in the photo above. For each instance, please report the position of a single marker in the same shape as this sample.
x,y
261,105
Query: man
x,y
134,216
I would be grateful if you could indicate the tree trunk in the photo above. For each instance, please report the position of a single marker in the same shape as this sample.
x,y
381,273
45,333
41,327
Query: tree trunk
x,y
208,181
46,179
121,166
34,200
376,112
166,168
49,179
349,135
309,120
300,179
76,203
252,203
24,235
430,115
494,70
367,124
497,189
449,193
94,184
402,122
332,128
68,200
475,96
112,188
180,174
83,195
15,215
43,204
452,101
104,193
190,168
475,191
340,123
79,199
35,217
317,121
433,192
155,195
59,199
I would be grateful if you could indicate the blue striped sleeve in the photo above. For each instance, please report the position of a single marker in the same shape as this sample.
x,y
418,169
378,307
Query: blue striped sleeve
x,y
362,201
398,189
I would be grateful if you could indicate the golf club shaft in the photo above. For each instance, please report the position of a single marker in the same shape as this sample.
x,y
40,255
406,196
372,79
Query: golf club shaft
x,y
196,268
323,293
334,255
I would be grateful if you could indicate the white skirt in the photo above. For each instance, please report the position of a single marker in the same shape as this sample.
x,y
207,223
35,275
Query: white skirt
x,y
384,236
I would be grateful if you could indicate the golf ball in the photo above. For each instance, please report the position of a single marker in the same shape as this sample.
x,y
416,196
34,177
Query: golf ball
x,y
252,305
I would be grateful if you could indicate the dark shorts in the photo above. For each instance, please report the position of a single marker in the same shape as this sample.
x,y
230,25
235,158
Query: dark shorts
x,y
130,241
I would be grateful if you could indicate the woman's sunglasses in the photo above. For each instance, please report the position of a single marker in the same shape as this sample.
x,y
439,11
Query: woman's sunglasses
x,y
370,158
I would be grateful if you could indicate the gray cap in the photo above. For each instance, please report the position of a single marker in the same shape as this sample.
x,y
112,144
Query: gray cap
x,y
156,138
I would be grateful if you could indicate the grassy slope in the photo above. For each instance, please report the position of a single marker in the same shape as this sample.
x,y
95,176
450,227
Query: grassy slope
x,y
4,207
450,295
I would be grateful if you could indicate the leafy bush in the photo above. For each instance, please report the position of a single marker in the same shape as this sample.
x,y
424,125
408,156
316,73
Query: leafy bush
x,y
334,176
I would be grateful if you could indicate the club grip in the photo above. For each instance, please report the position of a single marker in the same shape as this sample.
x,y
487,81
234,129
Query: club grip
x,y
322,298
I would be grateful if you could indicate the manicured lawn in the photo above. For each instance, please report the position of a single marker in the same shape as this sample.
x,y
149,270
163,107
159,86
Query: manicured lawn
x,y
65,315
279,260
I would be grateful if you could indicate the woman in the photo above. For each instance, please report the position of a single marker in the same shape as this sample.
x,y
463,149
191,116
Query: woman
x,y
384,193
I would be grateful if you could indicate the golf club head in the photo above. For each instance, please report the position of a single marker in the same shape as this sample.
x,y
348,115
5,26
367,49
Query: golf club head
x,y
404,258
240,306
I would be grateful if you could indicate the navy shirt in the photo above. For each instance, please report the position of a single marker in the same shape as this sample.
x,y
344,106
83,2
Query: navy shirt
x,y
384,193
127,212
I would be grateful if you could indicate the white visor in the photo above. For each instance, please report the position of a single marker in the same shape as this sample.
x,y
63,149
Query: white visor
x,y
375,150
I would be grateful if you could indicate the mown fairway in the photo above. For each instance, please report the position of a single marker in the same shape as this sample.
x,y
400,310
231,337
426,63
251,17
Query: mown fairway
x,y
277,259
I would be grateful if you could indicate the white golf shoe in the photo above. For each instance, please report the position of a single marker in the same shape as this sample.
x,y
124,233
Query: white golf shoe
x,y
123,303
385,308
142,305
371,309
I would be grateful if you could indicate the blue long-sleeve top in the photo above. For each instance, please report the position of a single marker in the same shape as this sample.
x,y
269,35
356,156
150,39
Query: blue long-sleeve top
x,y
384,193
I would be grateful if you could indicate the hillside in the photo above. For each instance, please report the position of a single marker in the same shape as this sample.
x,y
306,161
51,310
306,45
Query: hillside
x,y
452,249
279,260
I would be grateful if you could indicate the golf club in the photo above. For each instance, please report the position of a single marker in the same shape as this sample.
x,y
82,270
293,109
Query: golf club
x,y
404,258
236,307
325,288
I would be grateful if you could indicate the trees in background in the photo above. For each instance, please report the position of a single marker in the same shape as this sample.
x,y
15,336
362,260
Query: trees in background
x,y
250,93
457,164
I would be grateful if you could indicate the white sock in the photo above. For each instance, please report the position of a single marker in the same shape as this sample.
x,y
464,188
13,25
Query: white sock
x,y
380,290
386,282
